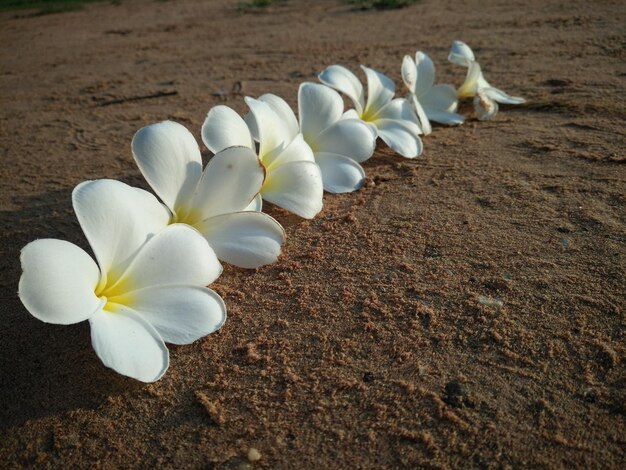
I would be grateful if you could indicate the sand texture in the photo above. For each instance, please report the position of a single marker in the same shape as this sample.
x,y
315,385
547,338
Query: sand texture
x,y
464,309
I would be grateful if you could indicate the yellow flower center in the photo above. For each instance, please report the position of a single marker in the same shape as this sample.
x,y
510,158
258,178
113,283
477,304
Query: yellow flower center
x,y
114,294
185,215
368,115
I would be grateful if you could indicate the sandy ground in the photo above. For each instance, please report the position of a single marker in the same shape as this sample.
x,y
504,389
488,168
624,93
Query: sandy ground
x,y
465,309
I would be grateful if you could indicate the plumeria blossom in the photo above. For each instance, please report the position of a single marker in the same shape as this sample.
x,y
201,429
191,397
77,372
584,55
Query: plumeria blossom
x,y
293,180
147,287
216,201
430,102
486,97
339,145
391,119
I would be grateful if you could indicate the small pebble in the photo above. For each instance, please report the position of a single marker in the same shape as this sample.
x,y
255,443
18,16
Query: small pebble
x,y
237,87
254,455
489,302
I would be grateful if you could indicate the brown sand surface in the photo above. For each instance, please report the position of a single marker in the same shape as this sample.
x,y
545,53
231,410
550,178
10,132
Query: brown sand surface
x,y
465,309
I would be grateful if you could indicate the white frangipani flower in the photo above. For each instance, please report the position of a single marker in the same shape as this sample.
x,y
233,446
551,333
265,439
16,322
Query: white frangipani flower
x,y
140,293
214,201
486,97
431,102
392,120
338,145
293,180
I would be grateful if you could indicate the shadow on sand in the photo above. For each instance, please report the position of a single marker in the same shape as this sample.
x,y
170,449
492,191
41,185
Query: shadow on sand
x,y
45,369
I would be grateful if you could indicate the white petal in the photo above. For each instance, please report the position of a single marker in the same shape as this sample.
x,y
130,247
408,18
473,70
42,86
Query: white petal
x,y
472,82
380,91
443,117
256,205
231,180
169,159
340,174
319,107
344,81
349,137
273,132
409,73
178,255
297,150
421,114
245,239
460,54
224,128
440,98
502,97
251,123
400,110
128,344
485,107
351,114
284,112
58,282
425,74
398,137
180,314
117,220
295,186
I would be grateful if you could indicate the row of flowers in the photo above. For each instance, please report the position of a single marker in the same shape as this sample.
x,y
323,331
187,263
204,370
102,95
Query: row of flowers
x,y
154,259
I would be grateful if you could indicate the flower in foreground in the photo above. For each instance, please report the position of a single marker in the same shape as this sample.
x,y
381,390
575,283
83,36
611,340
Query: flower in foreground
x,y
293,180
338,145
215,201
486,97
140,294
392,120
431,102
